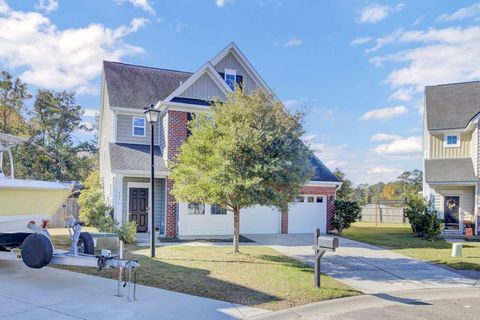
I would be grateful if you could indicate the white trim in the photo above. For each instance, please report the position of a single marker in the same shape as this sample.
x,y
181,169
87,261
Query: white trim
x,y
445,140
207,68
141,173
242,59
177,106
128,111
143,185
448,183
144,127
323,183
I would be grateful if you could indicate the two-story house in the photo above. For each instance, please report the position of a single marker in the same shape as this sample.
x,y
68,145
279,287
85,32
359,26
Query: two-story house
x,y
450,150
125,158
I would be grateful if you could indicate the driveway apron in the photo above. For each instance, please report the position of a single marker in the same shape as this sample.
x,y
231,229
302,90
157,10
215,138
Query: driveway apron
x,y
365,267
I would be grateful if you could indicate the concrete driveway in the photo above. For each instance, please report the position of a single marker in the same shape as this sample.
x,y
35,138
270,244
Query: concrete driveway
x,y
365,267
57,294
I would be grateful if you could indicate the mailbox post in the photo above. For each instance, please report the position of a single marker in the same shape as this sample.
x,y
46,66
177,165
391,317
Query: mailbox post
x,y
320,246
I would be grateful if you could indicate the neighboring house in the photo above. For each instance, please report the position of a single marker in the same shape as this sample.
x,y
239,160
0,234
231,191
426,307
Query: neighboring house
x,y
450,151
125,160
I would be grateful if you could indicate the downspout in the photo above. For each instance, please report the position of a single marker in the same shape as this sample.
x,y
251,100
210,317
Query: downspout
x,y
10,158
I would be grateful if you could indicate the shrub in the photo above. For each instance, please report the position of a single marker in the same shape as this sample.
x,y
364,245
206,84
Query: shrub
x,y
423,219
92,206
346,213
128,232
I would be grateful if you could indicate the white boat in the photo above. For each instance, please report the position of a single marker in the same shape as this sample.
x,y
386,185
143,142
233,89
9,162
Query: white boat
x,y
24,201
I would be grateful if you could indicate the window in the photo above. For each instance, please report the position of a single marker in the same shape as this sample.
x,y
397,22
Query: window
x,y
310,199
196,209
319,199
230,78
216,209
138,127
300,199
452,140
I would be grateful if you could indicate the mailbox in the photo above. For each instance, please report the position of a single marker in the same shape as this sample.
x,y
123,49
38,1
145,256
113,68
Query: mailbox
x,y
326,243
321,245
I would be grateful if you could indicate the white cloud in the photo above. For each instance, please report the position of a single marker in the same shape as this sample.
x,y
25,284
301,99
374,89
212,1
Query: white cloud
x,y
402,94
375,12
293,42
383,170
290,103
47,5
145,5
223,3
61,58
87,112
384,113
382,41
178,26
462,13
384,137
400,146
441,56
360,41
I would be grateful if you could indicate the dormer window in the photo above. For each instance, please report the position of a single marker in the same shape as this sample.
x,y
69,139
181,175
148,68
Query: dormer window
x,y
452,140
138,127
231,78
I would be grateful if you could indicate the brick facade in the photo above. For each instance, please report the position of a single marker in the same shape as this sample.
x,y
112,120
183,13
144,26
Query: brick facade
x,y
177,134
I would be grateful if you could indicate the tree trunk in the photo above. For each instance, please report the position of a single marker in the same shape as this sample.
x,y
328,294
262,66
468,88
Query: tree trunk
x,y
236,229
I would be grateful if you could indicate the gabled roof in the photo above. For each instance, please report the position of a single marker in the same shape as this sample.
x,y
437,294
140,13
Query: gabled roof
x,y
452,106
207,69
132,86
322,173
449,170
134,157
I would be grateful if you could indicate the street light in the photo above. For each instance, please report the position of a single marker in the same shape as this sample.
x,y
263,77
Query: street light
x,y
152,115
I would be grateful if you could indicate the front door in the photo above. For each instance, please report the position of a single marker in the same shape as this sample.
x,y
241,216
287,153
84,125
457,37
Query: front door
x,y
138,208
451,211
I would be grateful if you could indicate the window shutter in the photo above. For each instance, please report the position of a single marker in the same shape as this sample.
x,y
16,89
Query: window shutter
x,y
239,80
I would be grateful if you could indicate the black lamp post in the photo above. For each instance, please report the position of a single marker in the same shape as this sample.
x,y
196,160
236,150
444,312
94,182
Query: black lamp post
x,y
152,116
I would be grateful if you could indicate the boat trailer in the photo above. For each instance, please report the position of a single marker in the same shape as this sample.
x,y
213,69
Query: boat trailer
x,y
36,250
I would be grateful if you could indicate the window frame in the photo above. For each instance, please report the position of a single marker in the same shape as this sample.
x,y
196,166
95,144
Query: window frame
x,y
195,214
445,140
220,208
231,72
134,126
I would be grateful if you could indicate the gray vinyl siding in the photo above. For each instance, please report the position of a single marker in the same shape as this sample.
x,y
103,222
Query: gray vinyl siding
x,y
159,200
230,62
106,125
163,130
474,149
204,88
124,130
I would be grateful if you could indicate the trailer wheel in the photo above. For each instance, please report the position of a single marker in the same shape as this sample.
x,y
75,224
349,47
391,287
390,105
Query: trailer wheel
x,y
85,243
37,251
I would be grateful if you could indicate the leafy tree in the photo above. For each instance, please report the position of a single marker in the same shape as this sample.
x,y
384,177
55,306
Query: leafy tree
x,y
346,191
13,93
52,152
388,192
247,151
346,213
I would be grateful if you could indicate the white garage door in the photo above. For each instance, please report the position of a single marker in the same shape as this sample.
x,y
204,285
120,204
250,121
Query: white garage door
x,y
259,219
307,213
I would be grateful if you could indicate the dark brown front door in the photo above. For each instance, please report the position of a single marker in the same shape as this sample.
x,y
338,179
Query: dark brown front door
x,y
138,208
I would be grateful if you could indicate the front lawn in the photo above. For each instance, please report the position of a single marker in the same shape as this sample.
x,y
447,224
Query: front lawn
x,y
399,238
259,277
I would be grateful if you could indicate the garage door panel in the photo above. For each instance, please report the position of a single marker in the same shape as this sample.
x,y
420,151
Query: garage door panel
x,y
259,219
305,217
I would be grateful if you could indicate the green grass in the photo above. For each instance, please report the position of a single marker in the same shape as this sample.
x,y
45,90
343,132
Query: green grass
x,y
259,276
399,238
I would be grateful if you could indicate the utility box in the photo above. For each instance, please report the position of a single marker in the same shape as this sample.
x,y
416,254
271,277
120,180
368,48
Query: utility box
x,y
106,241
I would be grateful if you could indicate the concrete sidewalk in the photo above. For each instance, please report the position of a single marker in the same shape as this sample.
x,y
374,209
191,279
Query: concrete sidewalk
x,y
50,293
365,267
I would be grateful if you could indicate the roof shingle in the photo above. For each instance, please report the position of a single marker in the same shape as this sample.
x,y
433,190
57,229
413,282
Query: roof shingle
x,y
132,86
449,170
129,156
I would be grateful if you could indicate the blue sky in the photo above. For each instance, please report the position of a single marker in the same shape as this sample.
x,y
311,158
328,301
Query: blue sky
x,y
358,68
